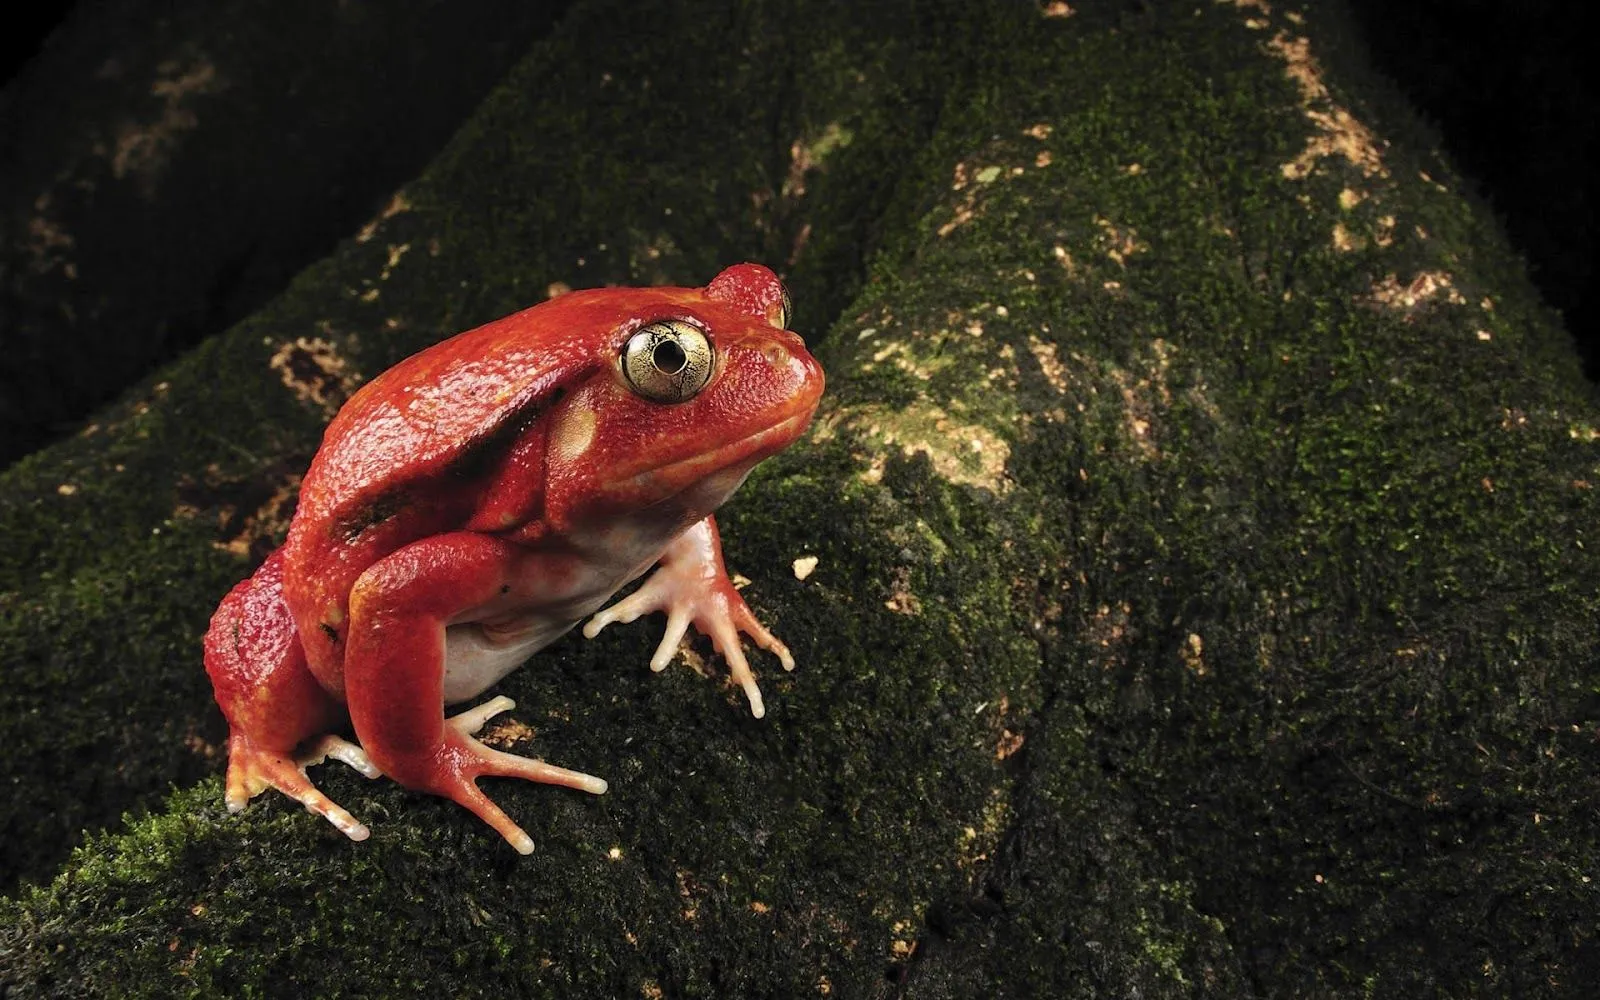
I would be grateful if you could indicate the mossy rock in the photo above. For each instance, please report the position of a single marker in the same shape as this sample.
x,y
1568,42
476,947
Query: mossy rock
x,y
1201,604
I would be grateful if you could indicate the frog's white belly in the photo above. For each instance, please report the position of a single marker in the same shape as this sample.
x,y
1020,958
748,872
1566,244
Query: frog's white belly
x,y
473,662
476,658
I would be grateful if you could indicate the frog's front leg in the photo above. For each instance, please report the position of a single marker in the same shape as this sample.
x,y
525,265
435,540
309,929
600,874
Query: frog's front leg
x,y
394,673
692,585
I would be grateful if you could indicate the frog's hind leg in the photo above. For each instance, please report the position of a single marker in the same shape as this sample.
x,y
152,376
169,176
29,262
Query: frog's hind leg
x,y
399,610
273,703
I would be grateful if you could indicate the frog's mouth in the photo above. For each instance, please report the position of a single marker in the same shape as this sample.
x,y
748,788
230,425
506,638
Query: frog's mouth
x,y
745,451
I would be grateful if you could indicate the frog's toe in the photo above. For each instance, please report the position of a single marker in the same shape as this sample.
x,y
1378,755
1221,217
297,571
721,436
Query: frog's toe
x,y
641,602
745,621
252,771
500,764
470,722
466,760
677,626
339,749
725,638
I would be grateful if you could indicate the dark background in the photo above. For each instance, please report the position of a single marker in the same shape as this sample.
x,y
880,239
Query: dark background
x,y
1500,81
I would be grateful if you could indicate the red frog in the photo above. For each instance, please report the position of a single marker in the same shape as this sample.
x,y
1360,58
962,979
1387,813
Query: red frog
x,y
475,502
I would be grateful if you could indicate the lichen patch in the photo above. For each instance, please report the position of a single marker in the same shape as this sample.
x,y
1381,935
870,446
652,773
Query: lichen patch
x,y
811,153
978,841
965,453
1144,397
901,600
506,733
396,205
1044,353
1338,132
1118,242
396,252
143,148
312,369
1193,654
1108,631
1420,292
48,244
252,512
1383,233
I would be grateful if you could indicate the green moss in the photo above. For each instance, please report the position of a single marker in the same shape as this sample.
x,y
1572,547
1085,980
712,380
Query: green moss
x,y
1259,665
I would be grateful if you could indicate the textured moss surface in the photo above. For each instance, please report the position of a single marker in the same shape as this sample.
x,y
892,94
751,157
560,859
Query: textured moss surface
x,y
1201,604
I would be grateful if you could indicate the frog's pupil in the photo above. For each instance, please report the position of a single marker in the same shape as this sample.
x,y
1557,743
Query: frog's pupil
x,y
669,357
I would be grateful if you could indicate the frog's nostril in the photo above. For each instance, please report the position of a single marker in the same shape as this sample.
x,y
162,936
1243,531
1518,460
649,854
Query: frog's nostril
x,y
776,354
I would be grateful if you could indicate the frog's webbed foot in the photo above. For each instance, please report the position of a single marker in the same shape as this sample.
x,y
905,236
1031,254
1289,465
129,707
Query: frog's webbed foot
x,y
692,586
453,773
252,771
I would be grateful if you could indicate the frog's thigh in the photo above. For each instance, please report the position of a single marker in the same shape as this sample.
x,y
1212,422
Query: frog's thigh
x,y
394,664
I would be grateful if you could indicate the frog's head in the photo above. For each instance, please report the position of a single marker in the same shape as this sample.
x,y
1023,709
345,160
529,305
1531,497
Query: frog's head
x,y
698,386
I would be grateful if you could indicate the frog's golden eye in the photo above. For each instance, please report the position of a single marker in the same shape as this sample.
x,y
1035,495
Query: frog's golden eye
x,y
787,306
667,361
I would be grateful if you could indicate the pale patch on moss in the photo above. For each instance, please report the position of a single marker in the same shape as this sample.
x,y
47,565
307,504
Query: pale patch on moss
x,y
901,600
506,733
269,521
971,179
1192,653
397,251
1383,235
1339,133
312,369
396,205
48,244
1108,630
1421,291
899,354
143,148
964,453
1117,242
1064,258
811,153
1145,397
1007,740
1054,371
977,842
